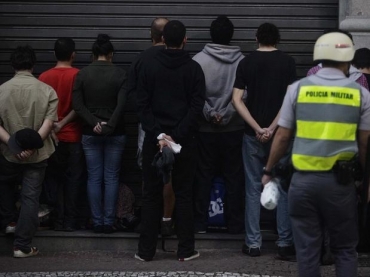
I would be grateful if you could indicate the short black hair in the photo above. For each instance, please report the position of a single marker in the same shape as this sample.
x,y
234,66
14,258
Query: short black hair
x,y
64,48
174,33
102,46
222,30
23,58
156,29
362,58
268,34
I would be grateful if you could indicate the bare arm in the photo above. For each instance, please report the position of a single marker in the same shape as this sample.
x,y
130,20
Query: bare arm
x,y
362,146
69,118
4,135
46,128
279,147
243,110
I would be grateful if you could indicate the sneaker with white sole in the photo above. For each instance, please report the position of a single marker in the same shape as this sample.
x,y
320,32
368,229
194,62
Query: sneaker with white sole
x,y
192,257
10,228
141,259
17,253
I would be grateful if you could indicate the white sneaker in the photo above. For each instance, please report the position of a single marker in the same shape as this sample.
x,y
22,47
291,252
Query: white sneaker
x,y
20,254
192,257
44,210
10,228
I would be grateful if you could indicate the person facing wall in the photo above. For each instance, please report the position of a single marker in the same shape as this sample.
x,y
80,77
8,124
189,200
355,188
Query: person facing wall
x,y
99,96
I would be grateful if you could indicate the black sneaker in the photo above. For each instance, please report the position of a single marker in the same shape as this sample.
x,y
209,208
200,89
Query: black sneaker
x,y
192,257
108,229
141,259
98,229
286,253
253,251
167,228
17,253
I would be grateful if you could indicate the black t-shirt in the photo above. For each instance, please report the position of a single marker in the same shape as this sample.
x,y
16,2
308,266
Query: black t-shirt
x,y
265,76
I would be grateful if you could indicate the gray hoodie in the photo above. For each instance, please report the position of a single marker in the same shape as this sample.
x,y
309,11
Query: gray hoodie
x,y
219,63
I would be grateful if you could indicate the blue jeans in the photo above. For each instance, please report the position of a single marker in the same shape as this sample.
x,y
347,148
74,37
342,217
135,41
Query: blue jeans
x,y
255,155
103,161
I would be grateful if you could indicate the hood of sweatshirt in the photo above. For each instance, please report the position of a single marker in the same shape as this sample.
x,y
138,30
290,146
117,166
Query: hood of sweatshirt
x,y
224,53
173,58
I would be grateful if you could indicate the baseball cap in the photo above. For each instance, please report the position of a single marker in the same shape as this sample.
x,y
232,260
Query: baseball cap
x,y
25,139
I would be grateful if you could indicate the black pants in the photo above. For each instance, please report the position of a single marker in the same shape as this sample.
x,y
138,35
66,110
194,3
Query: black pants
x,y
182,180
220,151
63,180
32,176
317,200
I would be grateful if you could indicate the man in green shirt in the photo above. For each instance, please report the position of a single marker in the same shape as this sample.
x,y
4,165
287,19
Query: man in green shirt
x,y
25,103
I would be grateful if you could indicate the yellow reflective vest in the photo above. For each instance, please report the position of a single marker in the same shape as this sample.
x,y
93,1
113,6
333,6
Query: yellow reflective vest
x,y
326,125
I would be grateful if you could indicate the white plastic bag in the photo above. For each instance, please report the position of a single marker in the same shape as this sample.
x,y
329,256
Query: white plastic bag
x,y
270,194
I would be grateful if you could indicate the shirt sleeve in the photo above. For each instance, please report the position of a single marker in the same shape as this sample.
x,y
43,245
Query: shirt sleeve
x,y
51,112
363,82
190,121
364,124
287,112
79,103
239,76
121,101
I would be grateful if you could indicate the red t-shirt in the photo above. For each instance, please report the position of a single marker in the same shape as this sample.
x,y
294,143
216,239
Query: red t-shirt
x,y
62,80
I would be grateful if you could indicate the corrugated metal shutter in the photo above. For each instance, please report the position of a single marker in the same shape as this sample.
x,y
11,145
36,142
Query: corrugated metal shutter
x,y
39,23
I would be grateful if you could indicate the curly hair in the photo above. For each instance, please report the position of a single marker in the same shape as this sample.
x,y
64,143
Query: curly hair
x,y
23,58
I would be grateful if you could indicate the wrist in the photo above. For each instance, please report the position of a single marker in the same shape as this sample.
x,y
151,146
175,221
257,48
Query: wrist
x,y
267,171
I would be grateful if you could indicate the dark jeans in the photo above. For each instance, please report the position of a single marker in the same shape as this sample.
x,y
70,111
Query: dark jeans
x,y
317,200
220,154
32,177
182,180
64,177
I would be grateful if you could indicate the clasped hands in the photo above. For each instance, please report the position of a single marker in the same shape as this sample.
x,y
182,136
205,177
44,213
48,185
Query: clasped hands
x,y
264,135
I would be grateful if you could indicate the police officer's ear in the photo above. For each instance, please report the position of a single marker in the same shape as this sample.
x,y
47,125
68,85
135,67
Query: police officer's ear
x,y
185,41
162,39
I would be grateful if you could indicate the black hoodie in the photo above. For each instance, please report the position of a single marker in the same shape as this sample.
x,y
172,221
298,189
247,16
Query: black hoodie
x,y
170,95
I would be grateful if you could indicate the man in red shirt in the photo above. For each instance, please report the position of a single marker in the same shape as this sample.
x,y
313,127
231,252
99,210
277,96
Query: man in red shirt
x,y
66,164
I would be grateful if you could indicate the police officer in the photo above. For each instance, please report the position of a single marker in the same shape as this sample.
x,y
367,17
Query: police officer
x,y
330,117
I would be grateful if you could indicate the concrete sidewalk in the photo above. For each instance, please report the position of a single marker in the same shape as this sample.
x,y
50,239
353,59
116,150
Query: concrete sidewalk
x,y
113,263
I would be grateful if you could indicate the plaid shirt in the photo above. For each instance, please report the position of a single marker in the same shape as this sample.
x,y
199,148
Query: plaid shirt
x,y
361,80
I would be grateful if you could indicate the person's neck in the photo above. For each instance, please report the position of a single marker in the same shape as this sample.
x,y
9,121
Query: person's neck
x,y
365,70
158,43
24,70
266,48
64,64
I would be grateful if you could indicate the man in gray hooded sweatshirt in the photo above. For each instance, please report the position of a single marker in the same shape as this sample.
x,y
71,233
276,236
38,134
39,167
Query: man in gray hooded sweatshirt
x,y
221,129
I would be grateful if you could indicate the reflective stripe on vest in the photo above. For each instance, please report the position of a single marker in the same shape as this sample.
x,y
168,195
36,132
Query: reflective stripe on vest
x,y
326,125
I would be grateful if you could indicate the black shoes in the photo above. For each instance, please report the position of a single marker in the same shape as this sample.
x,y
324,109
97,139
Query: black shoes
x,y
98,229
137,256
252,252
108,229
286,253
191,257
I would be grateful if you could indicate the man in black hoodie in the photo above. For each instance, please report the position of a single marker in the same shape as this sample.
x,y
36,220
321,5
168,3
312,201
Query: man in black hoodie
x,y
170,99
